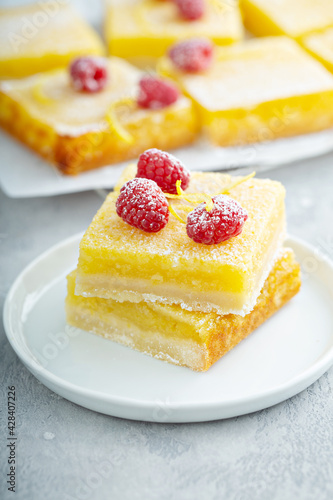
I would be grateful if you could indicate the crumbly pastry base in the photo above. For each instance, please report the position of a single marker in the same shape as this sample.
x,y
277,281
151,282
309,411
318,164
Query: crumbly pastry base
x,y
192,339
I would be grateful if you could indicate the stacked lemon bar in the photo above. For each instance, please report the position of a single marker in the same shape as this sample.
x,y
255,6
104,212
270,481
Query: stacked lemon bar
x,y
184,291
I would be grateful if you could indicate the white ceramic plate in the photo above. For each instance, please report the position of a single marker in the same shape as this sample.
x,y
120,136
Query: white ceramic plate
x,y
24,174
281,358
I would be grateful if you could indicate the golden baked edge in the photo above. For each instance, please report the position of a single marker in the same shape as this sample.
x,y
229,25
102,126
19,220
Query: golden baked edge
x,y
72,155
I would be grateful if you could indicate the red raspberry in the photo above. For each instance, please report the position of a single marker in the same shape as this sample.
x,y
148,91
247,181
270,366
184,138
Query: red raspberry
x,y
155,93
142,204
164,169
88,74
192,55
224,221
191,9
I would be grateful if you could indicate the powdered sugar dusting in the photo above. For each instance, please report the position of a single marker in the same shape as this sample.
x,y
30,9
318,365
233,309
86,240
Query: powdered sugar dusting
x,y
262,199
142,204
224,221
192,55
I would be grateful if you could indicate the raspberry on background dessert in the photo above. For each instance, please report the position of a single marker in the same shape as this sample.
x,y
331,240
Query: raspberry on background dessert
x,y
155,93
193,55
89,74
191,10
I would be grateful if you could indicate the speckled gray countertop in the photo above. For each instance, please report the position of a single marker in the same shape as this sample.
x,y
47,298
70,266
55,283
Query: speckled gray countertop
x,y
67,452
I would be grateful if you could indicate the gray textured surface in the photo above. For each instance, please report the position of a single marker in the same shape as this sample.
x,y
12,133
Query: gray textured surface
x,y
67,452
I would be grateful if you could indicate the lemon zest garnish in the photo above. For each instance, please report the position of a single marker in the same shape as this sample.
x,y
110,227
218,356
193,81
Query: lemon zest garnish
x,y
191,197
237,183
180,192
199,197
174,213
195,197
114,123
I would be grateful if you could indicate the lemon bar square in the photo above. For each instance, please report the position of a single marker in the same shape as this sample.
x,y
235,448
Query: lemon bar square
x,y
73,130
146,28
259,90
294,18
121,262
43,36
320,46
168,332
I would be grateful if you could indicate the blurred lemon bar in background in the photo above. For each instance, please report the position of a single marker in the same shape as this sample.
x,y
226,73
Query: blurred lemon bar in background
x,y
78,131
258,90
320,45
43,36
294,18
144,29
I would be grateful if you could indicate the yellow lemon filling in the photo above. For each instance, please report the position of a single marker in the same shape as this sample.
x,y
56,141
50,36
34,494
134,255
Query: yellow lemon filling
x,y
121,262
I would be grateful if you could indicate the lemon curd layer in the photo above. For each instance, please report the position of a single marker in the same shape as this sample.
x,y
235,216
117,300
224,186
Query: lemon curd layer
x,y
259,90
320,45
121,262
170,333
79,130
294,18
148,27
43,36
